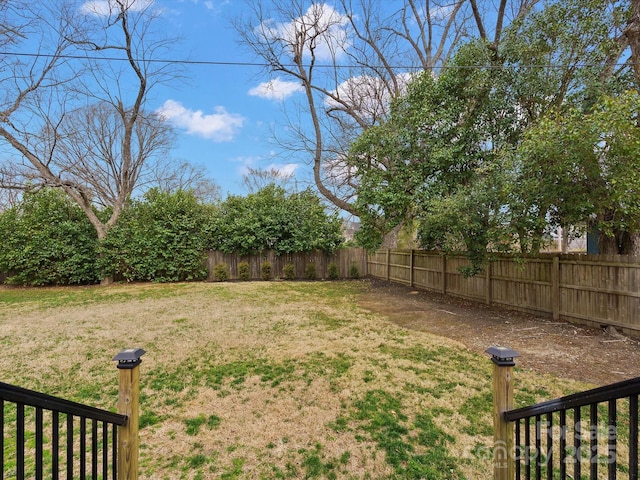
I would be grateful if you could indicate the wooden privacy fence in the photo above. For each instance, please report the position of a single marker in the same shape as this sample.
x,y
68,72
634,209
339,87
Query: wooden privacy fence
x,y
591,289
344,258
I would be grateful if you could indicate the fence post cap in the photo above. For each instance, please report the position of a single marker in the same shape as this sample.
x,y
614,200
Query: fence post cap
x,y
129,357
502,356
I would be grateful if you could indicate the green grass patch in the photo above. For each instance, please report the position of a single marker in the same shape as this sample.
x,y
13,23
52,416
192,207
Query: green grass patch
x,y
246,380
415,449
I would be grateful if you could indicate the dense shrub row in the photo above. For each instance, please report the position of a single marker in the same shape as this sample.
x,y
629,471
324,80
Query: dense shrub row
x,y
48,240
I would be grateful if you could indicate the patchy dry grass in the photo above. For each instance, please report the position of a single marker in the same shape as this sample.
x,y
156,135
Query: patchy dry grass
x,y
264,379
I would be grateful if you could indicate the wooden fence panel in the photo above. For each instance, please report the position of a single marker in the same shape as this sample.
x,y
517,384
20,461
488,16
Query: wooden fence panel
x,y
428,270
399,266
459,285
343,258
524,285
601,290
377,264
592,289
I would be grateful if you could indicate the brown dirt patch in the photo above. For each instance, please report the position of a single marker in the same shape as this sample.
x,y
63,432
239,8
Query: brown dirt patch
x,y
569,351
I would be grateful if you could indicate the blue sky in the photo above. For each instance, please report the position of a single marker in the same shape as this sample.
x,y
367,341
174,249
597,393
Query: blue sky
x,y
223,119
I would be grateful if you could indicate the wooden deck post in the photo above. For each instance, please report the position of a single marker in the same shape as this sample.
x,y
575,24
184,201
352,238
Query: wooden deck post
x,y
503,448
128,404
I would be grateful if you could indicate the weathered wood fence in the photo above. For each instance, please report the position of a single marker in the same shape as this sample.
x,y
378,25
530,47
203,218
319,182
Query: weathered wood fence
x,y
590,289
344,258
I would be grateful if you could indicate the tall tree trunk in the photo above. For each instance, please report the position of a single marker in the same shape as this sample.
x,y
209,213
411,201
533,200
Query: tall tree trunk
x,y
608,245
630,244
632,32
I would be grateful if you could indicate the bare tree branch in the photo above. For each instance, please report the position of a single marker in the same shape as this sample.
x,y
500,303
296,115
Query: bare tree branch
x,y
82,125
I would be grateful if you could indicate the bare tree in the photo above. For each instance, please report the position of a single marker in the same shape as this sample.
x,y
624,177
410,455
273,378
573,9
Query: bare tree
x,y
352,60
255,179
171,176
75,80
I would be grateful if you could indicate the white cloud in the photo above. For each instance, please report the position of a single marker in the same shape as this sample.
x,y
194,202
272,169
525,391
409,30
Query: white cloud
x,y
105,8
276,89
256,163
220,126
287,169
321,27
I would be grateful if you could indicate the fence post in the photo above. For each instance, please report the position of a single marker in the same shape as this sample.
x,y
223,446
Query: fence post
x,y
555,287
388,272
128,404
411,269
503,448
487,287
443,286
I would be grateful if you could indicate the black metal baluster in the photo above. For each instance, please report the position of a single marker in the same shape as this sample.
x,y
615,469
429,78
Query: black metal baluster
x,y
527,442
593,456
563,444
633,437
20,440
549,459
39,442
538,448
612,441
114,452
94,448
105,450
518,449
2,440
577,443
69,447
55,445
83,448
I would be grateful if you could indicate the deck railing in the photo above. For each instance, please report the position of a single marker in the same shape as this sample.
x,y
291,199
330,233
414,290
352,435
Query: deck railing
x,y
49,437
591,434
587,427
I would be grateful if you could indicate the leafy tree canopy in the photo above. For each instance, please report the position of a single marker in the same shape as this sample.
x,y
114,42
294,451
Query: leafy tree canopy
x,y
272,219
47,240
161,237
455,156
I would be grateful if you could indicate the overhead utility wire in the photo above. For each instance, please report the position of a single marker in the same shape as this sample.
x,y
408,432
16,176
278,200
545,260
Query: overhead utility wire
x,y
263,65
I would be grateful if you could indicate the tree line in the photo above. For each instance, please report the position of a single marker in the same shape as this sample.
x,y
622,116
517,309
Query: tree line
x,y
476,125
162,236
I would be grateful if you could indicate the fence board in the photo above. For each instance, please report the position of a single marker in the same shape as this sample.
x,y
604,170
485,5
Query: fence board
x,y
590,289
343,258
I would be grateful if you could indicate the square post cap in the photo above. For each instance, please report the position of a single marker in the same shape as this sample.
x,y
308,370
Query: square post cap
x,y
502,356
129,357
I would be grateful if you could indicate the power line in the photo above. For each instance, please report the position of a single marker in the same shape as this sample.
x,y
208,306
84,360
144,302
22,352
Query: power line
x,y
268,65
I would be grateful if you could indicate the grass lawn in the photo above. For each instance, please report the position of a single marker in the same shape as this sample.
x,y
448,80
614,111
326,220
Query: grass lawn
x,y
264,379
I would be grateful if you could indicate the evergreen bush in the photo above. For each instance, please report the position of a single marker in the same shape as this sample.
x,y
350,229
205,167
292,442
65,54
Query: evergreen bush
x,y
244,271
353,271
289,271
265,270
221,272
310,271
332,271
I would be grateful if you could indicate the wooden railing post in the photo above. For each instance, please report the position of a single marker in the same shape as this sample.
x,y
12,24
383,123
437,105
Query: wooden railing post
x,y
503,448
128,404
